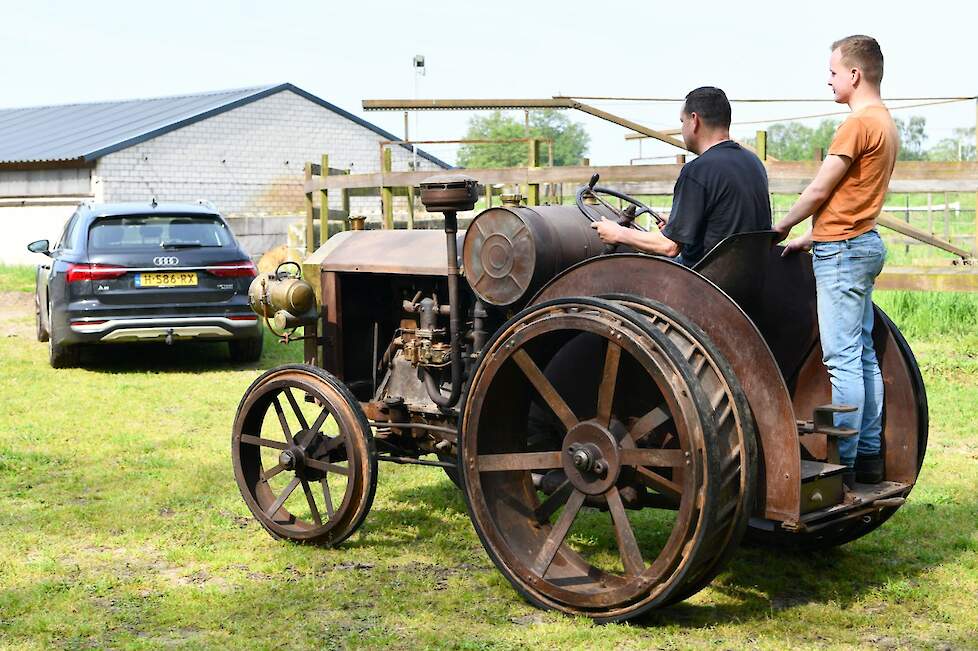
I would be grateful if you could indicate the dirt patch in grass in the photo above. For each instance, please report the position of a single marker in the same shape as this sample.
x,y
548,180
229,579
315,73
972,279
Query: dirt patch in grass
x,y
15,308
15,304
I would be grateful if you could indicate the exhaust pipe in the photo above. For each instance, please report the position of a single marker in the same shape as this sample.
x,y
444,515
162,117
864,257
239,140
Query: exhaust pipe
x,y
450,194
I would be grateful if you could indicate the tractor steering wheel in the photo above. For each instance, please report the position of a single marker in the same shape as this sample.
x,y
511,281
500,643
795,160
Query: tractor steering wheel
x,y
626,217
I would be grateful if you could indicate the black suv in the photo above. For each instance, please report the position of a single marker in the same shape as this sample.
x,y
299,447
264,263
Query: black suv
x,y
145,272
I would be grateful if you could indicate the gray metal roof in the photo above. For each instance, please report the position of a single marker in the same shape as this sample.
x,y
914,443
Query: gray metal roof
x,y
85,132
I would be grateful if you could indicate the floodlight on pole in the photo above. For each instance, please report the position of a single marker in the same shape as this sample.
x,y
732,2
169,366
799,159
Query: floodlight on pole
x,y
419,71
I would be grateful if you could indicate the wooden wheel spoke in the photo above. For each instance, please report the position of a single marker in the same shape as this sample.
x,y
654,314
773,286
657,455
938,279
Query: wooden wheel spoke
x,y
312,503
545,388
631,555
609,378
658,482
281,419
327,497
644,425
265,443
556,500
268,474
323,466
277,504
519,461
654,457
295,409
320,420
550,546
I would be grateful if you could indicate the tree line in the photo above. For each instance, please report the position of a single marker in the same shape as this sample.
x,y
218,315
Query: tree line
x,y
785,141
795,141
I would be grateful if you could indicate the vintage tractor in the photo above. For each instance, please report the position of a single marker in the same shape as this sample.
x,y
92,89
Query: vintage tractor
x,y
616,421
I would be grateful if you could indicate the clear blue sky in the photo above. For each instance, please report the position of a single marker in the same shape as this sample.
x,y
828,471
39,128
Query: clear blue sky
x,y
56,52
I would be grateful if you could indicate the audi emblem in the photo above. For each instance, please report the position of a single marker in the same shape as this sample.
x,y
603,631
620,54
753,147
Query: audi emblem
x,y
164,260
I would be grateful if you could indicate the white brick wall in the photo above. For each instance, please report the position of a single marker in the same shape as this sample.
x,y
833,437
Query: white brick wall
x,y
249,160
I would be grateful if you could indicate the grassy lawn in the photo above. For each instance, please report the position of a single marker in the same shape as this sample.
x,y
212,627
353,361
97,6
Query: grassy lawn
x,y
121,527
16,278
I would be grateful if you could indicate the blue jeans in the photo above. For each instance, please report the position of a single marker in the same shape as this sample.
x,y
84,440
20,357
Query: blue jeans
x,y
844,275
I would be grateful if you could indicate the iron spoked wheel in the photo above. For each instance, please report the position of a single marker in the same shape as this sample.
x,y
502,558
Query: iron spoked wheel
x,y
635,502
303,455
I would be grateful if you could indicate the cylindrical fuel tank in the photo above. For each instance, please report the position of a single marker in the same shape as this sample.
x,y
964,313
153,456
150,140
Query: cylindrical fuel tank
x,y
511,251
268,295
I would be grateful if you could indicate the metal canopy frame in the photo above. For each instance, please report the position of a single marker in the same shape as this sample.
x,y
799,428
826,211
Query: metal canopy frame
x,y
556,102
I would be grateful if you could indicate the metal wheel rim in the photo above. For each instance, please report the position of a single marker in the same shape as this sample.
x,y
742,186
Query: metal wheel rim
x,y
250,472
636,589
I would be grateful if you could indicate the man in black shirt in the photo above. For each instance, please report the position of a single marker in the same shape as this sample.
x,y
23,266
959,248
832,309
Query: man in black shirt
x,y
722,192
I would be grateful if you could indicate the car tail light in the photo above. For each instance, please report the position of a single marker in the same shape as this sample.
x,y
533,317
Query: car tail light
x,y
77,272
242,268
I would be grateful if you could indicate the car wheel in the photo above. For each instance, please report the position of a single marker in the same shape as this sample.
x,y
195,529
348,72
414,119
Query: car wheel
x,y
42,331
62,355
246,350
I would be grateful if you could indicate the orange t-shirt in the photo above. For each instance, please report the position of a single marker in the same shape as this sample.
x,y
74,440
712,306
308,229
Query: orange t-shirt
x,y
869,139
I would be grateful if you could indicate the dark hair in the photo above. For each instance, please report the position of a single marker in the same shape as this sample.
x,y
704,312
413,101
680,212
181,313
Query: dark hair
x,y
862,52
710,104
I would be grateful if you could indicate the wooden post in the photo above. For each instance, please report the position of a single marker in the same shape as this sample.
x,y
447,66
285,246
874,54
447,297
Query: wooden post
x,y
930,213
345,201
533,189
762,144
387,193
324,202
818,154
488,195
410,207
947,219
680,159
906,218
310,233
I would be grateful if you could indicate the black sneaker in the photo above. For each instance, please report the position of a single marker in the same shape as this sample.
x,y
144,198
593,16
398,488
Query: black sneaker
x,y
869,469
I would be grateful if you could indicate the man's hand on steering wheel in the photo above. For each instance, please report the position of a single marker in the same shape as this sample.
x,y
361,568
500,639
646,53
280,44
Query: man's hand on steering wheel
x,y
609,232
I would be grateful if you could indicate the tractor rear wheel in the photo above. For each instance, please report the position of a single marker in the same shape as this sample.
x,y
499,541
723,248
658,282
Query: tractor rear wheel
x,y
643,489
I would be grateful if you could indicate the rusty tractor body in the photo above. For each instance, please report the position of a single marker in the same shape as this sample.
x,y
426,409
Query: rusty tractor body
x,y
616,421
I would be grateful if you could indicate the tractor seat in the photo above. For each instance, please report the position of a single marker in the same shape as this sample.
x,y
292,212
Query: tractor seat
x,y
737,265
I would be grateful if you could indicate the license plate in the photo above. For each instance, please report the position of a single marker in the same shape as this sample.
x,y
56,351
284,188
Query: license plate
x,y
169,279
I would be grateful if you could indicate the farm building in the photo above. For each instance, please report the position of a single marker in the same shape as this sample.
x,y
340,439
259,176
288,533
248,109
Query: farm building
x,y
243,150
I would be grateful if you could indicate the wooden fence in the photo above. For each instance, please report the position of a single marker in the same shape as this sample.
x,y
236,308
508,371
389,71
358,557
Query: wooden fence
x,y
784,178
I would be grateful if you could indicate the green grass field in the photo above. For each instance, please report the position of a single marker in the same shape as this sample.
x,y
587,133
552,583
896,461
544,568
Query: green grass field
x,y
121,527
16,278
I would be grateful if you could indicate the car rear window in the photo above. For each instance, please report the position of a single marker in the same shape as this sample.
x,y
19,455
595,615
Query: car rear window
x,y
143,232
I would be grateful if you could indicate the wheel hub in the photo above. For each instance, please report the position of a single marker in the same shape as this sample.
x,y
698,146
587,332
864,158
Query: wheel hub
x,y
590,457
587,457
294,458
287,459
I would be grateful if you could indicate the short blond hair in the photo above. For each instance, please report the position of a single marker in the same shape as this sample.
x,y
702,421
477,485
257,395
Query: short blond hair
x,y
862,52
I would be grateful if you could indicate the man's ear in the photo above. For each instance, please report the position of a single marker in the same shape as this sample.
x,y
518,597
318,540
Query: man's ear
x,y
857,77
696,123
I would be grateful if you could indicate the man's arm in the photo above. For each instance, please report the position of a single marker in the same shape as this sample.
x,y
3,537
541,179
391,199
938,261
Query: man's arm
x,y
833,168
648,241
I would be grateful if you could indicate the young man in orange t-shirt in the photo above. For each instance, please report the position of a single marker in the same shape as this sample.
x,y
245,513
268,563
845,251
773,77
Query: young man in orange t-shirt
x,y
844,199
